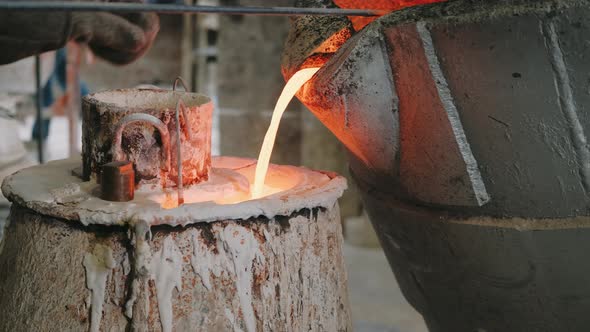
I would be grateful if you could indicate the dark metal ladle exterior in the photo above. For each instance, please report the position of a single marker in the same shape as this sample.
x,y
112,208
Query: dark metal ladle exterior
x,y
467,127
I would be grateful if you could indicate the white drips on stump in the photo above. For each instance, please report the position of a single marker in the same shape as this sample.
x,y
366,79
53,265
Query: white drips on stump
x,y
140,234
232,319
98,265
204,261
243,249
166,271
273,264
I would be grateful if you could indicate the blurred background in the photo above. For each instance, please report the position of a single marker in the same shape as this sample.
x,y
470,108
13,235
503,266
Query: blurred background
x,y
236,61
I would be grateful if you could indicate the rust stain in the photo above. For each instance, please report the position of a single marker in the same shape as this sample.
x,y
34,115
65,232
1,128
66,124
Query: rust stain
x,y
78,311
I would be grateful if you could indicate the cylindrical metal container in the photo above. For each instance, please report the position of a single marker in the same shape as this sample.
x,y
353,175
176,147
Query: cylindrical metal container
x,y
467,124
205,257
116,116
73,262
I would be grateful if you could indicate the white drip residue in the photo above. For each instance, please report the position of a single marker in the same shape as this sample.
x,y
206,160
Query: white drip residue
x,y
243,247
268,238
167,274
204,261
232,319
98,266
140,234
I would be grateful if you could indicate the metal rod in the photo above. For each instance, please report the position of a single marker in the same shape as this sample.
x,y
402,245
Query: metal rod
x,y
181,81
40,119
73,61
180,185
187,130
180,9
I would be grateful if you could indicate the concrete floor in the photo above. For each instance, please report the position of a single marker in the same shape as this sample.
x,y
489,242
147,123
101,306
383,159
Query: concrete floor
x,y
376,300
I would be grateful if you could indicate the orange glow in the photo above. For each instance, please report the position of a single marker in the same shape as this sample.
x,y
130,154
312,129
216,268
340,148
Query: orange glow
x,y
387,5
230,182
168,201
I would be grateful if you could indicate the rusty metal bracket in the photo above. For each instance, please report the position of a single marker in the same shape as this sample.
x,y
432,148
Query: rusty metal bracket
x,y
117,182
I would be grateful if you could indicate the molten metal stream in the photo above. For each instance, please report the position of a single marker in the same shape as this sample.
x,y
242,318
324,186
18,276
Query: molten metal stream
x,y
291,88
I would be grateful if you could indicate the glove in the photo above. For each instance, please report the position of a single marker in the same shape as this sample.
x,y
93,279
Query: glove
x,y
118,38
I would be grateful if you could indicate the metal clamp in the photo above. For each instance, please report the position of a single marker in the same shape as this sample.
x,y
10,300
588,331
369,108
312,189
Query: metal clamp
x,y
117,182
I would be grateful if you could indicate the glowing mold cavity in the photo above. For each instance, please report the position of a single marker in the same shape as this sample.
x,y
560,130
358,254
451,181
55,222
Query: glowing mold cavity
x,y
54,190
230,182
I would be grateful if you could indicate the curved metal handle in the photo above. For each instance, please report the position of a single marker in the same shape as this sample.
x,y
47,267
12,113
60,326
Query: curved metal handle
x,y
141,117
181,81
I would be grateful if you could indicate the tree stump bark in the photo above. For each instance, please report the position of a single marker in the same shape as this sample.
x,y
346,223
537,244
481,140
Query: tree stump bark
x,y
60,270
283,274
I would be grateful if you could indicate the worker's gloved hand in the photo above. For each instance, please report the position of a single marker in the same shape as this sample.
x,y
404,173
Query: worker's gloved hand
x,y
117,38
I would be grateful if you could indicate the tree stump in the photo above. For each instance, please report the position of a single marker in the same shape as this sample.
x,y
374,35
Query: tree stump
x,y
72,262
